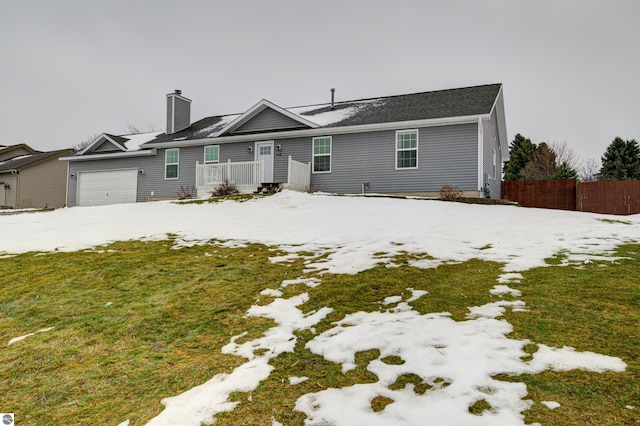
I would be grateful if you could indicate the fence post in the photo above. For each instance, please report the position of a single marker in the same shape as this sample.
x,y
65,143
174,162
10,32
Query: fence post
x,y
289,170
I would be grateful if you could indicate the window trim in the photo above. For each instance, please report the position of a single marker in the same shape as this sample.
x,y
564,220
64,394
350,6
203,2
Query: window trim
x,y
495,163
177,164
314,155
397,150
205,154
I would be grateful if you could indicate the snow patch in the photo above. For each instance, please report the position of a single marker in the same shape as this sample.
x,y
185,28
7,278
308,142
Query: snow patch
x,y
551,405
17,339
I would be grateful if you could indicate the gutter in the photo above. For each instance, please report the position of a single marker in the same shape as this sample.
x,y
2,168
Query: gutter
x,y
141,153
322,131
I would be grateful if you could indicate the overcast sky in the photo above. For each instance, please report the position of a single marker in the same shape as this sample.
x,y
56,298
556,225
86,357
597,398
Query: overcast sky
x,y
70,69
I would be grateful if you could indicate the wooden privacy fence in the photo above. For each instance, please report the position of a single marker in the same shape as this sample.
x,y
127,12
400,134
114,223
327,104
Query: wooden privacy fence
x,y
609,197
622,197
548,194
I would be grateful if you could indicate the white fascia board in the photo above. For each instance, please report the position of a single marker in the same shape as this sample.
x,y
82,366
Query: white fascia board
x,y
99,140
498,106
142,153
323,131
257,108
91,145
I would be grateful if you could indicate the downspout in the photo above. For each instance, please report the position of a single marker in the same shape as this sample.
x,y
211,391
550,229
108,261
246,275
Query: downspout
x,y
66,189
16,198
480,158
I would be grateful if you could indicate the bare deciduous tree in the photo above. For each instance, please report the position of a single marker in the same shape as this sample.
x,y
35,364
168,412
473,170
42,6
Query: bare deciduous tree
x,y
132,129
590,170
565,155
85,142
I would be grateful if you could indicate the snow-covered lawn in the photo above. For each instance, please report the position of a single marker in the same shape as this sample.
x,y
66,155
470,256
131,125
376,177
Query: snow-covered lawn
x,y
457,359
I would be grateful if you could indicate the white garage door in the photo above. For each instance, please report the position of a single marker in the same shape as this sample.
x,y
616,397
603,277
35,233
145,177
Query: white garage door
x,y
107,187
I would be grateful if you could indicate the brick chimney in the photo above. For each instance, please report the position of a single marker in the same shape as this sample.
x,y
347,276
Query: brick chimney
x,y
178,112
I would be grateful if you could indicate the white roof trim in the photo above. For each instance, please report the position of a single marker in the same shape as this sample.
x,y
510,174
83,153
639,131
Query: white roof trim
x,y
97,141
141,153
498,106
323,131
259,107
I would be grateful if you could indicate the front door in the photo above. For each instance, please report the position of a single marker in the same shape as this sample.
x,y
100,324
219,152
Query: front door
x,y
264,151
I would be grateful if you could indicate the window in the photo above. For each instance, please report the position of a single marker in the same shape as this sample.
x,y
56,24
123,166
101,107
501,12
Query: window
x,y
407,149
211,154
264,150
495,164
322,155
171,158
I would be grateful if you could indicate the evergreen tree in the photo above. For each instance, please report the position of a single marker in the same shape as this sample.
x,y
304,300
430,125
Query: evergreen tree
x,y
621,160
520,153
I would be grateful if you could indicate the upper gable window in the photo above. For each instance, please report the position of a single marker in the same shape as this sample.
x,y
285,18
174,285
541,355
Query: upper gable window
x,y
171,162
407,149
211,154
322,154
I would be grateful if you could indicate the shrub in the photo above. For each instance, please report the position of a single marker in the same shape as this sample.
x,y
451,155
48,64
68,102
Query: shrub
x,y
225,188
186,192
451,193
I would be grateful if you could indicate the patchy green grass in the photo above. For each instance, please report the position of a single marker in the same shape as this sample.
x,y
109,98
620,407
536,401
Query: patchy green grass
x,y
136,322
240,198
595,308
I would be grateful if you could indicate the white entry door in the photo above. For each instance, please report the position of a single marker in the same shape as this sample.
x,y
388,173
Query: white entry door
x,y
264,151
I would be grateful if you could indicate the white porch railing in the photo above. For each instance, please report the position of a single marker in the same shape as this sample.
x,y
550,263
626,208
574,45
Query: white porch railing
x,y
299,176
246,175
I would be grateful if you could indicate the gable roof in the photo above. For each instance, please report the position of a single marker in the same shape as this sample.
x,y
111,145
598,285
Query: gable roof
x,y
7,149
29,160
441,104
122,143
258,108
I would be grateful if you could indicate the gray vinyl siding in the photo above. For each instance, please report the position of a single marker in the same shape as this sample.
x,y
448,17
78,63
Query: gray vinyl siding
x,y
169,113
105,146
447,155
491,142
266,120
182,113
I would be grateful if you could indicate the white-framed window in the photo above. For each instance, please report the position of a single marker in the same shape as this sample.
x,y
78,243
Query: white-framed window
x,y
264,150
322,154
211,154
171,162
407,149
495,164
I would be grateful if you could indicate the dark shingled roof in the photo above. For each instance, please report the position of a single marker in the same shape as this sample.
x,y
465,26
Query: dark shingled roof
x,y
28,160
119,139
192,132
460,102
425,105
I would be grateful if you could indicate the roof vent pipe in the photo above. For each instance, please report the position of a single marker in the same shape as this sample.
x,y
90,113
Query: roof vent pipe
x,y
333,92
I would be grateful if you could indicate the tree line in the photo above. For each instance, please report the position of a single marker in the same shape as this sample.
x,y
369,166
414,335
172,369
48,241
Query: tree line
x,y
530,161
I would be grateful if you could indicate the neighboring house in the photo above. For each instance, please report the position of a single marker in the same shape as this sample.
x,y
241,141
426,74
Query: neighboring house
x,y
407,144
32,179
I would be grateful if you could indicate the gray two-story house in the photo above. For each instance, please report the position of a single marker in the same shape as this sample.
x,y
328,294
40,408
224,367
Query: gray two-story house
x,y
405,144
